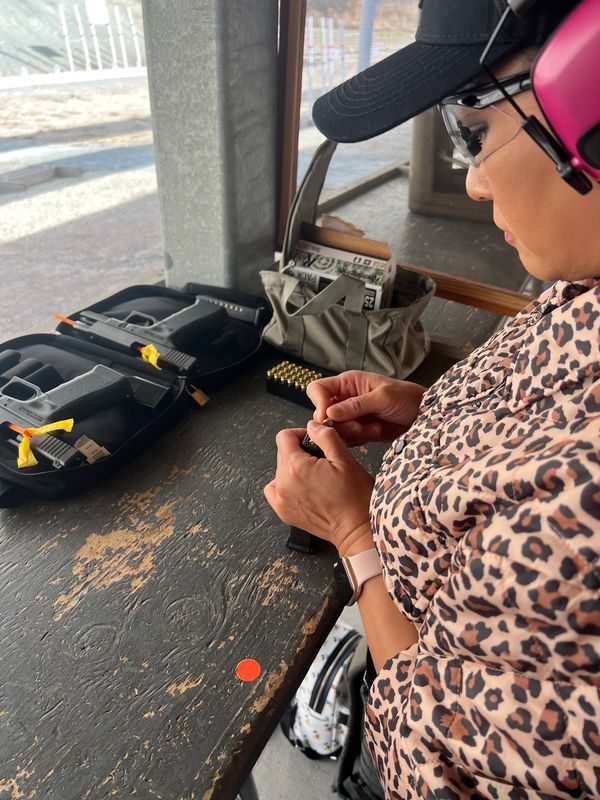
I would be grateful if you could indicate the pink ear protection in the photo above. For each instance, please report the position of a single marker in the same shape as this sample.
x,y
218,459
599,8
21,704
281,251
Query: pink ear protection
x,y
565,79
566,82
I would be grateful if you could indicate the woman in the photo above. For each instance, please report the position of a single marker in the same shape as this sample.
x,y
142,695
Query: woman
x,y
484,621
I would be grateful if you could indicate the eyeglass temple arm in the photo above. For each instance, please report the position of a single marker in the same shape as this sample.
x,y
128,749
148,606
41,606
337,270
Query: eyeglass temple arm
x,y
532,126
559,155
521,7
486,51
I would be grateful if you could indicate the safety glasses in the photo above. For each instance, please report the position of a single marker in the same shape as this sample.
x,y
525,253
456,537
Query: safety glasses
x,y
476,125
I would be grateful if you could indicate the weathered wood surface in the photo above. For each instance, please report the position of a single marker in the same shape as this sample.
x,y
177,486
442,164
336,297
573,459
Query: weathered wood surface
x,y
126,610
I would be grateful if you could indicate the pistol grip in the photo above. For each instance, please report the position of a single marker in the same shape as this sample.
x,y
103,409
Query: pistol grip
x,y
201,318
96,390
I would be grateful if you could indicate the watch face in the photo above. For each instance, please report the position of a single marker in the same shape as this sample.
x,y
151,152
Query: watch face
x,y
343,584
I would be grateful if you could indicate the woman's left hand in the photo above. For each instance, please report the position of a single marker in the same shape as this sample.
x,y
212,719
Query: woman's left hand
x,y
328,497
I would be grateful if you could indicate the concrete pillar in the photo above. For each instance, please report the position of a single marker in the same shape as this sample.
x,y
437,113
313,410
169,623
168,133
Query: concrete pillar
x,y
213,93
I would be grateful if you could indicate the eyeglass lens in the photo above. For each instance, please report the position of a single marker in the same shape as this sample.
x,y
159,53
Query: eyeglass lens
x,y
479,133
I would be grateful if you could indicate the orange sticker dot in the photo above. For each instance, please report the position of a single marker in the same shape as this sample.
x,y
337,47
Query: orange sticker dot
x,y
248,670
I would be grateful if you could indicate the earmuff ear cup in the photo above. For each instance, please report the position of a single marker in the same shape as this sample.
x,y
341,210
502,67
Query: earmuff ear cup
x,y
588,146
565,78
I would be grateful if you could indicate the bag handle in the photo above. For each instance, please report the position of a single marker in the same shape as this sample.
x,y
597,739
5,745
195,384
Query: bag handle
x,y
343,286
304,209
306,201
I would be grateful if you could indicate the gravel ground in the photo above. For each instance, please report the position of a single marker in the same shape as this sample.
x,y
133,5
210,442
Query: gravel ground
x,y
65,242
74,112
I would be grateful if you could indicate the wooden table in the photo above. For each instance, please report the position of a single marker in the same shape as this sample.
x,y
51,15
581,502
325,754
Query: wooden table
x,y
126,610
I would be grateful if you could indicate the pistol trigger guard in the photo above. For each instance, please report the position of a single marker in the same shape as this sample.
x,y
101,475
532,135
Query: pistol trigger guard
x,y
16,381
134,317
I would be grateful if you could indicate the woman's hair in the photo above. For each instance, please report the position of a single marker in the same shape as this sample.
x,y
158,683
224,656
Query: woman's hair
x,y
517,62
521,60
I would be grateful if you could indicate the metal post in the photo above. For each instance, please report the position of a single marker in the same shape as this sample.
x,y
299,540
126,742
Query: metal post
x,y
292,27
310,61
365,41
84,44
65,30
113,49
342,50
134,36
324,64
121,37
331,50
95,43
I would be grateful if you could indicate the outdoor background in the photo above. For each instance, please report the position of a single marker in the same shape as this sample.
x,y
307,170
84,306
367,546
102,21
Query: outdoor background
x,y
74,96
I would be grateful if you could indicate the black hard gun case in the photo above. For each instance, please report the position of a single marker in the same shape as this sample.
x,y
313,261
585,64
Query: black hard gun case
x,y
120,372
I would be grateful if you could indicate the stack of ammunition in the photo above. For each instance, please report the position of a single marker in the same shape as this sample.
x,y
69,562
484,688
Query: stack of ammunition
x,y
289,380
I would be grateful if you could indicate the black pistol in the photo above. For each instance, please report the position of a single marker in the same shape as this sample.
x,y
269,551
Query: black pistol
x,y
24,405
201,320
253,315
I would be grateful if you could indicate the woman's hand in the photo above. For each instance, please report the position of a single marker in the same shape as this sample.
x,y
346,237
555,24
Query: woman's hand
x,y
328,497
366,407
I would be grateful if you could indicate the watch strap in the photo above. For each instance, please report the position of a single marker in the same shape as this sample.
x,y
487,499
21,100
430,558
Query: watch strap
x,y
360,568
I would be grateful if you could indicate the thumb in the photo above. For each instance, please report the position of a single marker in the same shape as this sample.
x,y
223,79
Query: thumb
x,y
270,492
329,441
353,407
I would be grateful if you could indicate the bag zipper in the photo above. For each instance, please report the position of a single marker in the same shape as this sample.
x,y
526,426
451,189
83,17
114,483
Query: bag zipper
x,y
336,658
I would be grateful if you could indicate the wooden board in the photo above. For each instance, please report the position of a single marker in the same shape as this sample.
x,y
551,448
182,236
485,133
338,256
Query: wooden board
x,y
449,287
126,610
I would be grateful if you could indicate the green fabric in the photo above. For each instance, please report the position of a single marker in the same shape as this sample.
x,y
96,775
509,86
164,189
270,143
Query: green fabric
x,y
319,329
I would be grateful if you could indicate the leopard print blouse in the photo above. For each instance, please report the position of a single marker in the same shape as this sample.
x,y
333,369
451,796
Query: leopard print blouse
x,y
487,518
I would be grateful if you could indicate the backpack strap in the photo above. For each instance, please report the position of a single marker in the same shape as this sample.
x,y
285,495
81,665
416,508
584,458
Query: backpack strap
x,y
351,748
357,778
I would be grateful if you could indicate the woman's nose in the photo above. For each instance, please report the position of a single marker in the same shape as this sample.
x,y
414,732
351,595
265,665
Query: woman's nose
x,y
476,184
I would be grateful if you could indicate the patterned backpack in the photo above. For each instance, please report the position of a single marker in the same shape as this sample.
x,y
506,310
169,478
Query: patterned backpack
x,y
317,719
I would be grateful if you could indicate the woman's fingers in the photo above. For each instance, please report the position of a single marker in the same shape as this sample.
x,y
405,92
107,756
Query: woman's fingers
x,y
366,432
355,432
288,443
301,493
354,407
321,393
270,493
324,391
329,441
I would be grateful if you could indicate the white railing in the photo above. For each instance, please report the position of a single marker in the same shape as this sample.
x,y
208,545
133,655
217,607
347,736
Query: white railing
x,y
331,54
98,21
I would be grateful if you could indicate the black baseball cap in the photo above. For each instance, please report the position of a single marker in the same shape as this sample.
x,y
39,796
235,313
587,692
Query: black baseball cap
x,y
443,58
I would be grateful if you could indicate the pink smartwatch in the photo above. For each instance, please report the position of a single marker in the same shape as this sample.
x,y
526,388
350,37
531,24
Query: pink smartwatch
x,y
354,571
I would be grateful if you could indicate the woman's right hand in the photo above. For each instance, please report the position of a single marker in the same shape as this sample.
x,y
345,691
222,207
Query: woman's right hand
x,y
365,406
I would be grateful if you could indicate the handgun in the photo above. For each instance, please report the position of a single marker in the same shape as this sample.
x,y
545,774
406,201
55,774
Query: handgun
x,y
130,337
201,320
23,404
250,314
137,330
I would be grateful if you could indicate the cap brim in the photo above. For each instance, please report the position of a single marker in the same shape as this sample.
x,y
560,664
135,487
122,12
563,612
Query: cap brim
x,y
398,88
